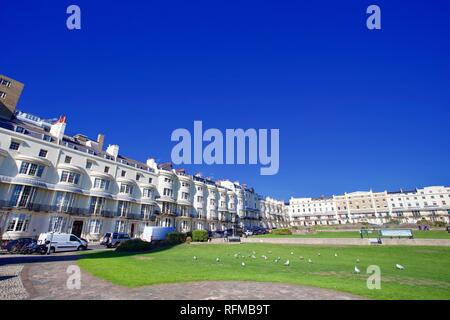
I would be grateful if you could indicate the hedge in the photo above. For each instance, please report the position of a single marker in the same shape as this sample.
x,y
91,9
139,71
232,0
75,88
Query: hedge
x,y
283,232
174,238
200,235
134,245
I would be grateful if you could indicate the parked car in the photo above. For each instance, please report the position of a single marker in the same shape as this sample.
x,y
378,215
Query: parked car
x,y
248,233
115,238
14,246
62,242
34,247
105,239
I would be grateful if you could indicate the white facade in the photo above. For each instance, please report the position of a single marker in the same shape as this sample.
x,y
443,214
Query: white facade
x,y
431,203
53,182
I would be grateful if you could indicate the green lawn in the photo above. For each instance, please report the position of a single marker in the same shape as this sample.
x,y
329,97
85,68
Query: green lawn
x,y
433,234
426,274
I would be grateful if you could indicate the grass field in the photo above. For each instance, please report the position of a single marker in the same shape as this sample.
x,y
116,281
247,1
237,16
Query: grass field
x,y
433,234
426,274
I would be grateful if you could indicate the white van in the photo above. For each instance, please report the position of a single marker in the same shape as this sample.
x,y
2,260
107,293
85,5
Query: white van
x,y
62,242
152,233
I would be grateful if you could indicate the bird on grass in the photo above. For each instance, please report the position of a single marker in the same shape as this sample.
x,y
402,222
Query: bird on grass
x,y
357,271
264,257
399,267
236,255
309,261
243,264
318,254
301,258
195,258
217,260
287,263
358,261
336,255
253,257
292,253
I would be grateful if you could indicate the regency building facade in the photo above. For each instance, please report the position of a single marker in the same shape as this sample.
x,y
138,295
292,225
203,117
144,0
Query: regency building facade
x,y
50,181
431,203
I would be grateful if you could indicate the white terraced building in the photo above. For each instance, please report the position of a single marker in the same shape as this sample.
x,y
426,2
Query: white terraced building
x,y
53,182
431,203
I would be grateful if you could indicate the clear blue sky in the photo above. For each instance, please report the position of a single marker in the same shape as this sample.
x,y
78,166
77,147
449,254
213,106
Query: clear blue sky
x,y
356,109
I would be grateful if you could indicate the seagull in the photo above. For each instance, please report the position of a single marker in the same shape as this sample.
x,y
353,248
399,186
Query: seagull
x,y
292,253
217,260
335,255
399,267
236,255
309,260
253,257
287,263
357,271
264,257
270,251
195,258
301,258
358,261
318,254
243,264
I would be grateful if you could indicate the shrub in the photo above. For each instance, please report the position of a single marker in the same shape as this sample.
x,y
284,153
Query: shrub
x,y
134,245
174,238
200,235
283,232
439,224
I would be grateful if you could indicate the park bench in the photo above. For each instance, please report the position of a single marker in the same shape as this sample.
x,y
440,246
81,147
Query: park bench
x,y
234,239
396,233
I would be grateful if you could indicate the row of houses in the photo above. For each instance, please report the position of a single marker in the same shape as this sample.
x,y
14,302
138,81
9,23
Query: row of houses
x,y
404,206
51,181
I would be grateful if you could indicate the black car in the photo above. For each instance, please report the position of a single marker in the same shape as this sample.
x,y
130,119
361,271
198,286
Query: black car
x,y
15,246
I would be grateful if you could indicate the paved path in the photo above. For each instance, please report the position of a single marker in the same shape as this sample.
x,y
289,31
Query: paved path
x,y
45,277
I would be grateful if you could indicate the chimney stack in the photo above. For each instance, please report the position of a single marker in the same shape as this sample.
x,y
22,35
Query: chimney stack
x,y
100,141
113,150
57,129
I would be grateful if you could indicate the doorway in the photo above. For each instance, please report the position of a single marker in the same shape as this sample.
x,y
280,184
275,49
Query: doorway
x,y
77,228
132,231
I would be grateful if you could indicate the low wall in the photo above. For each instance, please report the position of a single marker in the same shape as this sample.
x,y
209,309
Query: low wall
x,y
349,241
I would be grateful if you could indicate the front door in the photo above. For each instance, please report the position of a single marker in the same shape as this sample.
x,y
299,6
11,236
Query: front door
x,y
77,228
132,231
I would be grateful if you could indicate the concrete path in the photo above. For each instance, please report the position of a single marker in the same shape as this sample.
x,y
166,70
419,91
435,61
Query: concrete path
x,y
45,277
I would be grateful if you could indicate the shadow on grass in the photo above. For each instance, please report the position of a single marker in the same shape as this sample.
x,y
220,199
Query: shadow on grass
x,y
116,254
